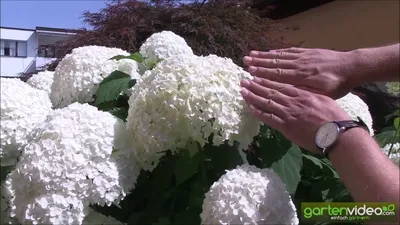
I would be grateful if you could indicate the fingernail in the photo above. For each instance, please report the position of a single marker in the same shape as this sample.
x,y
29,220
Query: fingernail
x,y
254,53
257,80
246,59
245,83
244,92
252,69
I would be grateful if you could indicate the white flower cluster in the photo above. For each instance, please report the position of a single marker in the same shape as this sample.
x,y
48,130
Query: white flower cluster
x,y
356,107
95,218
188,98
395,152
165,44
42,81
248,195
22,108
68,164
77,76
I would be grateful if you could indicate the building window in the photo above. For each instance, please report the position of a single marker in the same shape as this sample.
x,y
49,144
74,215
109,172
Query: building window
x,y
47,51
13,48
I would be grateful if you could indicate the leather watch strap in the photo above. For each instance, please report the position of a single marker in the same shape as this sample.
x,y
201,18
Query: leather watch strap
x,y
346,125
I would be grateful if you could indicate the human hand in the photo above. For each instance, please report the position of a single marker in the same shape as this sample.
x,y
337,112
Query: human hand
x,y
320,71
296,113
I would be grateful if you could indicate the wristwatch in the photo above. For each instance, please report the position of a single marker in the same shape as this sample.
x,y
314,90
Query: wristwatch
x,y
328,133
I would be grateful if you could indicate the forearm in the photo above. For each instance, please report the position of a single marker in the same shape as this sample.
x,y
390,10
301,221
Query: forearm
x,y
365,170
374,64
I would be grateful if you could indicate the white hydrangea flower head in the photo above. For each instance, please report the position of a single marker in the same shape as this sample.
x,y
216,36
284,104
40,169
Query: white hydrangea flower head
x,y
394,154
95,218
68,165
356,107
248,195
188,98
22,108
42,81
77,76
165,44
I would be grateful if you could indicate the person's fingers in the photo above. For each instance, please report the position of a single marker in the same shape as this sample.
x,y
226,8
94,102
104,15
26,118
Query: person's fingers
x,y
265,93
274,55
286,89
268,118
269,63
288,76
292,50
263,103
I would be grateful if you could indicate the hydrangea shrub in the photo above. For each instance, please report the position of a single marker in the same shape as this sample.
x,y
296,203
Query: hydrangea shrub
x,y
161,136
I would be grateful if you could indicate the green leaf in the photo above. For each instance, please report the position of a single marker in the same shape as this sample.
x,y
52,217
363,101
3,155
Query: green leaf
x,y
317,162
185,166
331,190
135,56
112,86
197,190
396,123
272,149
135,218
390,116
158,184
189,216
385,138
150,64
162,221
288,168
320,166
121,113
219,159
389,128
106,106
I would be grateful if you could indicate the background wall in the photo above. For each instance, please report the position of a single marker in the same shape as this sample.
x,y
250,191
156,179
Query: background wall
x,y
345,25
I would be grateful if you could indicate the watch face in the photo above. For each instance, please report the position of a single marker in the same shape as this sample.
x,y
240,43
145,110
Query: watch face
x,y
327,135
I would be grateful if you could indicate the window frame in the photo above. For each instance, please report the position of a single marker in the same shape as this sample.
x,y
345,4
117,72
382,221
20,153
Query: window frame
x,y
16,49
46,55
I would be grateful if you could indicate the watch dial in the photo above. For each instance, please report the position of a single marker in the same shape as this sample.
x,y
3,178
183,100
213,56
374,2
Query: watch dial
x,y
327,135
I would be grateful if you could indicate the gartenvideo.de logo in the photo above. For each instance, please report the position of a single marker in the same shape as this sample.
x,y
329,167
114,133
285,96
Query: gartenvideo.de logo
x,y
350,211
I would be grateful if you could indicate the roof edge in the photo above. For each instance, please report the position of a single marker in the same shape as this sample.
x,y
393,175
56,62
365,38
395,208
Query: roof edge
x,y
53,29
17,28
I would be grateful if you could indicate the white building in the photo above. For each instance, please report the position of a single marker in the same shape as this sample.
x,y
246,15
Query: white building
x,y
25,50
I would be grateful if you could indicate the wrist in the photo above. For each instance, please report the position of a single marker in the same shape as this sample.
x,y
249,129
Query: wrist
x,y
357,68
357,136
368,65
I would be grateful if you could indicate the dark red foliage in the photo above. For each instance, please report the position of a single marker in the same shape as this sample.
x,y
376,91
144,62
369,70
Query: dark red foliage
x,y
223,27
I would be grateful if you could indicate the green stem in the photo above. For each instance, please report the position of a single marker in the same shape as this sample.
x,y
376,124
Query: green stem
x,y
394,139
